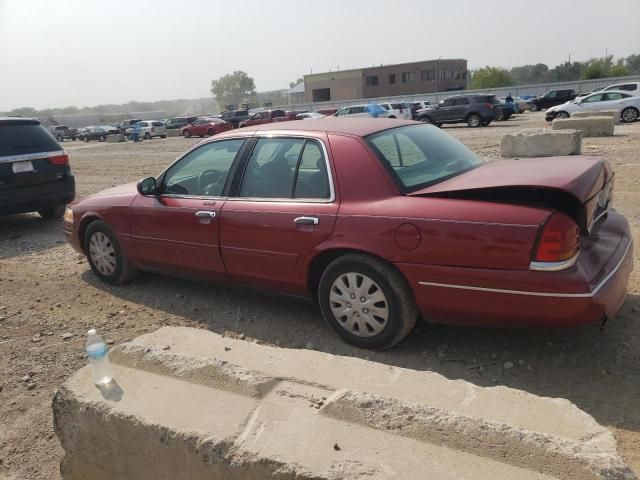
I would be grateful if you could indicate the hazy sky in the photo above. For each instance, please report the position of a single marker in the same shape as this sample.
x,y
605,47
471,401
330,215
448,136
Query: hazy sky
x,y
90,52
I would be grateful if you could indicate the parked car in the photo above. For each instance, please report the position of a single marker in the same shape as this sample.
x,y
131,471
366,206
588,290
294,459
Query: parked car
x,y
150,129
267,116
125,124
206,126
415,106
309,115
179,122
431,230
93,133
631,87
552,98
358,111
475,110
35,175
521,104
397,110
62,132
627,104
327,111
110,129
508,109
234,117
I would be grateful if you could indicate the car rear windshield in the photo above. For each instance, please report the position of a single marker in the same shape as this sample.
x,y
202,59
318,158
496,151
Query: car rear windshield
x,y
486,99
421,155
398,106
22,139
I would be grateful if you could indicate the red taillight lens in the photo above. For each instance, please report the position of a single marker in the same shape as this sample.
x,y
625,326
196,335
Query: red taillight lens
x,y
559,240
59,160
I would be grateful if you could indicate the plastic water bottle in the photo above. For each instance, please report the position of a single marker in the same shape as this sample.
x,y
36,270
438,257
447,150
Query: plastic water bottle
x,y
98,354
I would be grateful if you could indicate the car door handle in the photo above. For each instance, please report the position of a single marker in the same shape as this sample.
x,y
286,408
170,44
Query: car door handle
x,y
206,214
306,220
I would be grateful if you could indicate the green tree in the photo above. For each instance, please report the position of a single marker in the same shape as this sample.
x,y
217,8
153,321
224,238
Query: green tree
x,y
597,68
233,88
632,64
293,84
566,72
490,77
618,70
538,73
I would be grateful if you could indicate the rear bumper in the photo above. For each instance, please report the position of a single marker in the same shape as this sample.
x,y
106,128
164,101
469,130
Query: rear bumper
x,y
593,288
32,198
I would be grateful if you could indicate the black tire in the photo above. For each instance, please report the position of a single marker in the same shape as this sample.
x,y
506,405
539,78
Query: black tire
x,y
402,308
187,134
392,116
534,107
147,136
103,138
53,211
163,136
123,271
61,139
73,138
561,114
474,120
425,119
629,115
86,139
210,132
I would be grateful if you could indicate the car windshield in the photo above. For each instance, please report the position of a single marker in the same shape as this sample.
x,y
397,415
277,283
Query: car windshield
x,y
422,155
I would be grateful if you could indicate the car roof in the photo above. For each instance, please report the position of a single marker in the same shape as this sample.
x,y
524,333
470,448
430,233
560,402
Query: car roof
x,y
19,121
360,127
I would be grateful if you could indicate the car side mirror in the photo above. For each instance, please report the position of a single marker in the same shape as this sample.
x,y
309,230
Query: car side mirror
x,y
148,186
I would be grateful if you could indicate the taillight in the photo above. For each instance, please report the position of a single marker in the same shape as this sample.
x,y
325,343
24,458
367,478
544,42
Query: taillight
x,y
59,160
489,106
559,239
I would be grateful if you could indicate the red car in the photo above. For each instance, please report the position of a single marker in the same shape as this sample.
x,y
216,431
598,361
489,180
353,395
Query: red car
x,y
206,126
379,220
268,116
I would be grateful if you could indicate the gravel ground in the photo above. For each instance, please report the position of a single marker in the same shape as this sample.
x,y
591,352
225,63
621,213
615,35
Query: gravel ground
x,y
49,298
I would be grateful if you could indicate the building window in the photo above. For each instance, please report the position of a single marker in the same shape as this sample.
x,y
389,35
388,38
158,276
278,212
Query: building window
x,y
408,77
321,94
392,78
427,75
372,81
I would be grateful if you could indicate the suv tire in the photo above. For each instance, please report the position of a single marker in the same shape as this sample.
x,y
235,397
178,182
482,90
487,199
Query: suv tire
x,y
474,120
388,293
53,211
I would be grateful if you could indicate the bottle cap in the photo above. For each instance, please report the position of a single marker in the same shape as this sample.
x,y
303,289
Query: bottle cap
x,y
91,332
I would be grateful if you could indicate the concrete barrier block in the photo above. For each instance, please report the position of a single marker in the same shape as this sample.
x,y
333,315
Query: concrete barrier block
x,y
615,114
188,404
116,138
173,132
589,126
541,144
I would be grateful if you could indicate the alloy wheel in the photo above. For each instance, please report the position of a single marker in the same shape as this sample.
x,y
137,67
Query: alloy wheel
x,y
629,115
359,304
102,253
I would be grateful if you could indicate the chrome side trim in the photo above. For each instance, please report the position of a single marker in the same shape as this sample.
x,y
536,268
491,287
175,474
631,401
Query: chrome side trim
x,y
30,156
593,293
554,266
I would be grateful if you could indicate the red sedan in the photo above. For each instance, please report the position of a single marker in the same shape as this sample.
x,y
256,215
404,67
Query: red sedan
x,y
206,126
379,220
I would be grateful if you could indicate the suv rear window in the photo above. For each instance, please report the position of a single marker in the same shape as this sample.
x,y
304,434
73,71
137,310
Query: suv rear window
x,y
25,138
421,155
486,99
157,124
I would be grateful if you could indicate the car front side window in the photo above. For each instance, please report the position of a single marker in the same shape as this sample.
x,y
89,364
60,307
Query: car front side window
x,y
203,171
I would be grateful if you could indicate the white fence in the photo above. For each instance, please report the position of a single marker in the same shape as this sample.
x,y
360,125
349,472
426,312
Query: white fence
x,y
580,86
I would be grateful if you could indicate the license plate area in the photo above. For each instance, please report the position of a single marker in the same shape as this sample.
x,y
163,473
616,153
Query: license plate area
x,y
22,167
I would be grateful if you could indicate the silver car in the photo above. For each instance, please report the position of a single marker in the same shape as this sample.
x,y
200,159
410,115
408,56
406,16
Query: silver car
x,y
150,129
358,111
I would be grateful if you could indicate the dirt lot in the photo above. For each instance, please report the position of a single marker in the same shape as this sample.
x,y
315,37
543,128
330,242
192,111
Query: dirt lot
x,y
49,298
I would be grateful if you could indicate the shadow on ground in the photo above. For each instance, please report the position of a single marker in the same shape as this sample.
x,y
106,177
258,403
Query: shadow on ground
x,y
598,371
28,233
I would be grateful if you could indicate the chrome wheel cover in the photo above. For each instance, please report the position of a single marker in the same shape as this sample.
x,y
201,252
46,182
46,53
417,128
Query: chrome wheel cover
x,y
102,253
359,305
629,115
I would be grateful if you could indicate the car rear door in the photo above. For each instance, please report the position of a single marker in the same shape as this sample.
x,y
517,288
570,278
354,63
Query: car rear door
x,y
284,206
177,230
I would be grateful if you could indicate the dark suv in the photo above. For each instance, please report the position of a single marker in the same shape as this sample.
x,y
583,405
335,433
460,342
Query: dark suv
x,y
552,98
34,170
475,110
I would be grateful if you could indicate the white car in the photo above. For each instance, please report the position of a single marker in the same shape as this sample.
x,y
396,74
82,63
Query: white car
x,y
358,111
150,129
397,110
628,105
631,87
309,115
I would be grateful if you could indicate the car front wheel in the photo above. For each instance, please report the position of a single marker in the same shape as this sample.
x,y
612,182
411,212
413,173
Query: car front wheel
x,y
534,107
105,255
561,115
629,115
366,301
474,120
186,133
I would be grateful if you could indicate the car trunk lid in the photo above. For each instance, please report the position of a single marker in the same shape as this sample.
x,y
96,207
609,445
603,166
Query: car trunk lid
x,y
581,187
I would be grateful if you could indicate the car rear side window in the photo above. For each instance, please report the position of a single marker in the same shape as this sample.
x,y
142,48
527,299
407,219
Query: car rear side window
x,y
312,180
157,124
25,138
421,155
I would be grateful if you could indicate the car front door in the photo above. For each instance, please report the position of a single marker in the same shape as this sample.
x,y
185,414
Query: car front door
x,y
284,207
443,111
177,230
459,108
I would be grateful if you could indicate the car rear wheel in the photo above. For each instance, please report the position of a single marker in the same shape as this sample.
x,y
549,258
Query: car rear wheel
x,y
147,136
102,138
366,301
53,211
562,115
105,255
209,132
629,114
187,134
474,120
